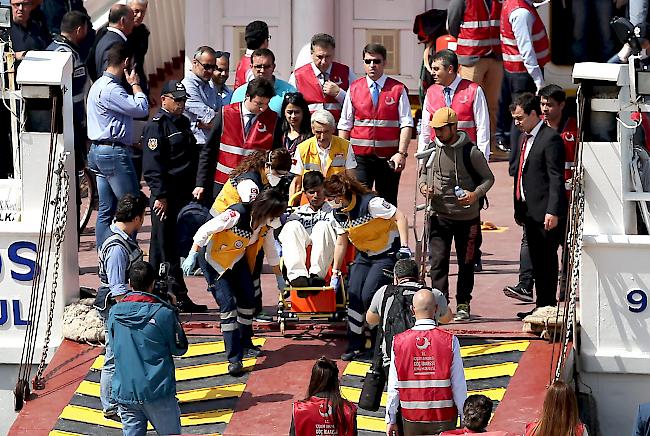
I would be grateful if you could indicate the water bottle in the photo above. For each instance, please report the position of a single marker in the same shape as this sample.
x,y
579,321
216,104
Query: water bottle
x,y
459,191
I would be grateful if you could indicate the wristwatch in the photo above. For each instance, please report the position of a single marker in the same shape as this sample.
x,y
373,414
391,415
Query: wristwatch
x,y
403,153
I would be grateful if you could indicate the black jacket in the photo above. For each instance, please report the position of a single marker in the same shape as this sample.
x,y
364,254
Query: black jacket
x,y
170,156
138,40
542,178
103,43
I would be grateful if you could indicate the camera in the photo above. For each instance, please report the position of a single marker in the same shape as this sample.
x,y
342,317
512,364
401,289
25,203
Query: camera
x,y
163,285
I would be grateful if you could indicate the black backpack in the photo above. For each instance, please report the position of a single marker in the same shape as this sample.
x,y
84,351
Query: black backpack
x,y
483,202
400,317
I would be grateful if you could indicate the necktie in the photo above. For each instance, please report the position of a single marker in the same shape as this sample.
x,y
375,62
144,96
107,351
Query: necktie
x,y
522,159
324,78
447,92
249,123
375,93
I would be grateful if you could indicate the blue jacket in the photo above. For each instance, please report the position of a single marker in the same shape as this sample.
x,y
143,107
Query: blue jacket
x,y
642,425
144,333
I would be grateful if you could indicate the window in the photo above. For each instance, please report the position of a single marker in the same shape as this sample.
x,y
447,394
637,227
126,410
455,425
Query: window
x,y
239,43
389,39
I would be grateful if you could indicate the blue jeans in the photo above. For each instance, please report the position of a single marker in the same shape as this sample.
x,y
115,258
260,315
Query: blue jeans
x,y
587,13
106,377
115,178
163,413
234,293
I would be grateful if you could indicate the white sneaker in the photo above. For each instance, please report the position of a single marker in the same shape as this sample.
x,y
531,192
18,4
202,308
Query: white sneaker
x,y
462,313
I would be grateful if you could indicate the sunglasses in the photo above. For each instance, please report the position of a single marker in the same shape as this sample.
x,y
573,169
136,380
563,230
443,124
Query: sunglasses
x,y
222,54
372,61
208,67
262,67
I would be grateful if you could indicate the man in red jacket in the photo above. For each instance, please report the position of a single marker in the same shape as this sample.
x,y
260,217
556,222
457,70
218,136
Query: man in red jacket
x,y
377,120
323,82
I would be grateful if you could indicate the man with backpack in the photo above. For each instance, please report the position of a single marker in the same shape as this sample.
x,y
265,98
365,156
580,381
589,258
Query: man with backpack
x,y
392,306
455,179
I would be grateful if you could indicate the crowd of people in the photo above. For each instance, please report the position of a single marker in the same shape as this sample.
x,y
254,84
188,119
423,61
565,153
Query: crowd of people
x,y
308,169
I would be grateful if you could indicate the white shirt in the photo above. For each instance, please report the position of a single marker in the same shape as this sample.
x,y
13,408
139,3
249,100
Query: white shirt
x,y
404,107
481,120
308,216
227,220
118,31
342,93
458,383
522,26
298,166
529,144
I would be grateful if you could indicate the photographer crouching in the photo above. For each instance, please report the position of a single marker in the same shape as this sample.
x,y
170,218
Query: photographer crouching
x,y
146,334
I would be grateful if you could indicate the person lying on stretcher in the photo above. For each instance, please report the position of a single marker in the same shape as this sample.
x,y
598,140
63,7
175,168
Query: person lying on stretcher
x,y
309,224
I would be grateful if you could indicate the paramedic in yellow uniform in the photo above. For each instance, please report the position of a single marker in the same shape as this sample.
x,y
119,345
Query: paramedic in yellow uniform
x,y
230,243
324,152
379,232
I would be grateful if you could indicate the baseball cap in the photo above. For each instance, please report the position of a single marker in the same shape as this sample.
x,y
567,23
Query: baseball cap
x,y
442,117
175,88
256,31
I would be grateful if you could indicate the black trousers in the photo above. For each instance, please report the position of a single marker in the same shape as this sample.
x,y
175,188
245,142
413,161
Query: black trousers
x,y
164,240
374,171
543,246
464,233
526,279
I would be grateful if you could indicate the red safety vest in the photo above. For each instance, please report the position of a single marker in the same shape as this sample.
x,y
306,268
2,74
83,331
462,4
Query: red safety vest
x,y
512,60
376,129
234,147
423,361
530,429
310,87
479,31
462,103
569,136
314,417
243,67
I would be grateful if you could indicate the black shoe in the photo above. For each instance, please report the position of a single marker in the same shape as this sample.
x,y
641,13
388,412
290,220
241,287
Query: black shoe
x,y
235,369
252,351
300,282
519,292
351,355
316,281
503,146
522,315
478,266
188,306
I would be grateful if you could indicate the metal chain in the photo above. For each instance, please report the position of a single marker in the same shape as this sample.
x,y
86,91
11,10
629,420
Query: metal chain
x,y
60,202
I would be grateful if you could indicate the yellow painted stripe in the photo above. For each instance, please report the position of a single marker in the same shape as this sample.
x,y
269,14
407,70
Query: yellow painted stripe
x,y
63,433
359,369
371,423
206,348
96,417
194,350
353,394
494,348
192,372
202,394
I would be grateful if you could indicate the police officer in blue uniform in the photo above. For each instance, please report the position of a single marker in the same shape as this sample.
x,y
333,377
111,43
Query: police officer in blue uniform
x,y
170,160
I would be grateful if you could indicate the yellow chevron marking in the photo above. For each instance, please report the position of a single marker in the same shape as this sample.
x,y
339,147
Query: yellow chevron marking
x,y
201,394
359,369
494,348
96,417
353,394
194,350
371,423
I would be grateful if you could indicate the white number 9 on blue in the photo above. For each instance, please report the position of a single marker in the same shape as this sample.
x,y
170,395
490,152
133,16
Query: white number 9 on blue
x,y
638,300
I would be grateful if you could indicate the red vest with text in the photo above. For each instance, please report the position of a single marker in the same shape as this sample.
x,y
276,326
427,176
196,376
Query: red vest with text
x,y
512,60
234,148
315,413
569,136
462,103
531,426
310,87
423,361
479,31
376,129
243,67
